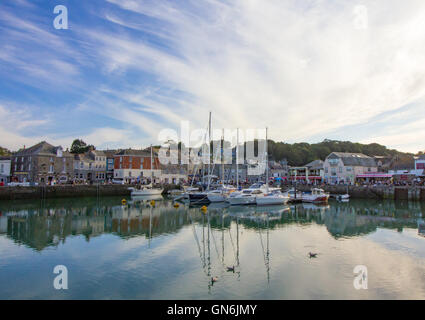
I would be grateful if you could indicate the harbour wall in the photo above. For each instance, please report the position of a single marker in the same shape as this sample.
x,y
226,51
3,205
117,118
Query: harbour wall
x,y
65,191
374,192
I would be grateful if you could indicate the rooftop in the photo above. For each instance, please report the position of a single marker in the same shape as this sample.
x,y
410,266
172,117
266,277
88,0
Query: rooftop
x,y
354,159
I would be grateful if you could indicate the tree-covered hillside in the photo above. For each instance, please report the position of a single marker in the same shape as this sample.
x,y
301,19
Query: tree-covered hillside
x,y
299,154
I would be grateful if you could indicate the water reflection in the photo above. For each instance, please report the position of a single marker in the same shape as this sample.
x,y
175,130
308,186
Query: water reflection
x,y
39,227
154,250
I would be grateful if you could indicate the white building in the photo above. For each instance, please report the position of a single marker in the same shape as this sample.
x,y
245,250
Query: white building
x,y
5,167
420,165
341,167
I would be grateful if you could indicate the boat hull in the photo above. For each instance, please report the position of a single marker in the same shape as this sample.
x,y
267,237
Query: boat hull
x,y
146,192
216,197
240,201
316,199
199,198
267,201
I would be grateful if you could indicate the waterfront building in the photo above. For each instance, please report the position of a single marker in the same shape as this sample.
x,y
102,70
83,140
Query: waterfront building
x,y
174,174
420,165
342,167
312,172
42,163
5,168
132,165
278,170
90,166
110,159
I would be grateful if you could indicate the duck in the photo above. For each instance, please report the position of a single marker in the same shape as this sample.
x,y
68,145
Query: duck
x,y
214,279
231,269
312,255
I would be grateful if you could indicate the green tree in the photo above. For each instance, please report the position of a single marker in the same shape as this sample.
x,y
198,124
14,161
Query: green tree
x,y
4,152
79,146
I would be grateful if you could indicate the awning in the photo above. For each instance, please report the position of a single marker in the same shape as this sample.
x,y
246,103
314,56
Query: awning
x,y
375,175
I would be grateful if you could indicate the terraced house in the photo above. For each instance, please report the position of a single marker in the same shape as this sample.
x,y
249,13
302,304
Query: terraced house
x,y
341,167
42,163
90,166
133,165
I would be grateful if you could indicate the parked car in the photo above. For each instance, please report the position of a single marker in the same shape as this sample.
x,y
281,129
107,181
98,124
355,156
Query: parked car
x,y
118,181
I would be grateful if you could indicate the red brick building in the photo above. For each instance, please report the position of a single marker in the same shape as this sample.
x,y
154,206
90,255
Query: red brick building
x,y
133,165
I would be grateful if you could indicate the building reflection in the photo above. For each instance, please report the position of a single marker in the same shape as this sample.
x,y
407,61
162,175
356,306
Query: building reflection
x,y
39,226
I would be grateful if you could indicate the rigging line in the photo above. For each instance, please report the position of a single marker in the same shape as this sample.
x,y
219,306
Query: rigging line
x,y
262,245
197,242
197,165
233,246
215,244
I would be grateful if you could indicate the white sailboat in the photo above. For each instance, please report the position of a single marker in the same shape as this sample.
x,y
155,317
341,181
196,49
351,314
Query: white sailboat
x,y
147,190
270,198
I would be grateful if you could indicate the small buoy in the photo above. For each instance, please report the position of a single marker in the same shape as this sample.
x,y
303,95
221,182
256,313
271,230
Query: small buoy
x,y
204,209
152,203
176,205
124,202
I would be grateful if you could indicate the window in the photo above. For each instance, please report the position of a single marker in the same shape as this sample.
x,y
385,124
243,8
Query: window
x,y
22,167
2,167
51,168
29,167
82,165
348,169
369,169
340,169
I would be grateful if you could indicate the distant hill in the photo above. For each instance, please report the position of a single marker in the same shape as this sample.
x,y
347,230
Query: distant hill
x,y
4,152
299,154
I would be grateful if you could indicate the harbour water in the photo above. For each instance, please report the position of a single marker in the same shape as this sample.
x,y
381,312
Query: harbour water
x,y
141,251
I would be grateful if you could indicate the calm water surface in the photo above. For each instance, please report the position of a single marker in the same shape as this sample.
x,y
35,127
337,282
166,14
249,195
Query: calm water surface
x,y
142,252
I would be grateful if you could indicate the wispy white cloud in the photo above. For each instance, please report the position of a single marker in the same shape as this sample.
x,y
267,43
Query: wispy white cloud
x,y
302,69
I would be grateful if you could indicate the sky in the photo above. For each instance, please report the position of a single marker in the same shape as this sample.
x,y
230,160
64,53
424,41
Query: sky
x,y
126,69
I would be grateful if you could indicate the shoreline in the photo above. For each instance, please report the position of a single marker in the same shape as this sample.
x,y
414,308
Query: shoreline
x,y
74,191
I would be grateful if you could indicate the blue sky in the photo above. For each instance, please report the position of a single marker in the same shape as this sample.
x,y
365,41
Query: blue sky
x,y
127,69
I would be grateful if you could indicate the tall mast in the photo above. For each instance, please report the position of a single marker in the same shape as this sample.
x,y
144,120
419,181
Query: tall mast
x,y
237,158
209,151
151,166
267,163
222,158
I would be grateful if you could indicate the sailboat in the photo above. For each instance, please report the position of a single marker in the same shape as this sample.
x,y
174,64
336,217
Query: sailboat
x,y
147,190
202,197
270,197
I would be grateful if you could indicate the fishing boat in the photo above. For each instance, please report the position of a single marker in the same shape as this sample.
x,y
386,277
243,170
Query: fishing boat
x,y
316,196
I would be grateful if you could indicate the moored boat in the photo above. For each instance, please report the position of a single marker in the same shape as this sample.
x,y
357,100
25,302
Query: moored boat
x,y
316,196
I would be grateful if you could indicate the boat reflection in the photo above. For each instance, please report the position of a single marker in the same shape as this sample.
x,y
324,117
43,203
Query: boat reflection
x,y
40,226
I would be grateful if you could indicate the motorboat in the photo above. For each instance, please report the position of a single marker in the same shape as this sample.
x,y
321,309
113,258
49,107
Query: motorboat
x,y
221,194
199,198
272,198
343,197
316,196
246,197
